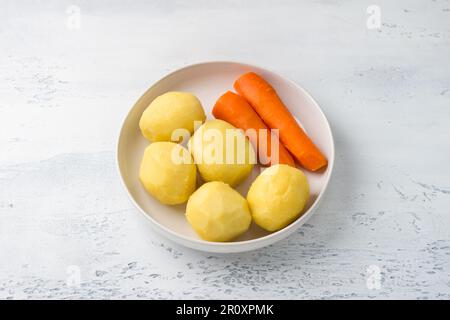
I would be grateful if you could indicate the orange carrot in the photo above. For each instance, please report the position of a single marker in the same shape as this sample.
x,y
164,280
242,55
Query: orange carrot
x,y
264,99
234,109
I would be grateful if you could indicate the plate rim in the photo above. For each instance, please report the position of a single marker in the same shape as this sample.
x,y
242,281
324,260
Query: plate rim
x,y
236,246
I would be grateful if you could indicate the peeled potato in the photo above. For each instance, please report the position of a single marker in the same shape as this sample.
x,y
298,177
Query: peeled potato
x,y
168,172
222,152
278,196
168,112
217,212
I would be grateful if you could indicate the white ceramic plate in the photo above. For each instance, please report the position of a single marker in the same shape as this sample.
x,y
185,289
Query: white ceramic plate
x,y
208,81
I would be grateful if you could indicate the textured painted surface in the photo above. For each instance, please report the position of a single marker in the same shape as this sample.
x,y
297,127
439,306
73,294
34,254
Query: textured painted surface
x,y
64,93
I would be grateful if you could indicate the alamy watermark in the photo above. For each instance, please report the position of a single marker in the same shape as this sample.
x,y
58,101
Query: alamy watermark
x,y
374,18
73,21
373,280
73,279
214,146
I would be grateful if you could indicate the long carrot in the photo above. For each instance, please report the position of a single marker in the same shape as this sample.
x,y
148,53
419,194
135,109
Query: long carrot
x,y
236,110
264,99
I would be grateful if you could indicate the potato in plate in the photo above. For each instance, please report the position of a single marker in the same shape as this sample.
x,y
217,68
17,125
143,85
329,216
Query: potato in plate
x,y
168,172
278,196
222,152
169,112
217,212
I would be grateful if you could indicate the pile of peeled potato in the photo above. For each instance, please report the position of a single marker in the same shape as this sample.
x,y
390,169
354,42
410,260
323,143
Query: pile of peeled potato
x,y
215,210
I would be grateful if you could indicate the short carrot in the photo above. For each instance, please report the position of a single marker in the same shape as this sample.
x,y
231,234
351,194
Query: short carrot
x,y
234,109
266,102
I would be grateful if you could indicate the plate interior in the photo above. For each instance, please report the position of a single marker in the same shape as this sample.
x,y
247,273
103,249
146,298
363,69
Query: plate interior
x,y
208,81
